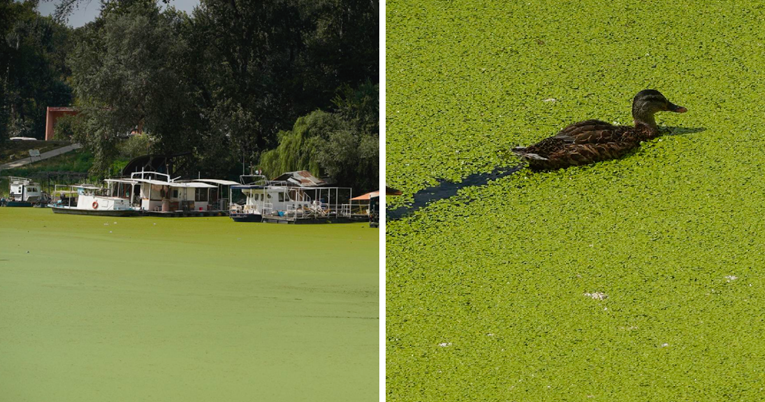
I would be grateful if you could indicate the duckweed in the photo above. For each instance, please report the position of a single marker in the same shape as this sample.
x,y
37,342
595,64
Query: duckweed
x,y
501,273
185,309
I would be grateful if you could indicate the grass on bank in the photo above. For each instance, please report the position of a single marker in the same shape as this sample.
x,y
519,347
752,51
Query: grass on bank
x,y
634,279
15,150
56,170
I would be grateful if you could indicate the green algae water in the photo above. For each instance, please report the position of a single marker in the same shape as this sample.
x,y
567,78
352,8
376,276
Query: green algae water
x,y
185,309
638,279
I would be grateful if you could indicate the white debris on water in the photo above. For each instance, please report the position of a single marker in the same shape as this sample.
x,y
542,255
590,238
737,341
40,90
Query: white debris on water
x,y
731,277
106,224
445,344
597,295
115,223
664,345
550,100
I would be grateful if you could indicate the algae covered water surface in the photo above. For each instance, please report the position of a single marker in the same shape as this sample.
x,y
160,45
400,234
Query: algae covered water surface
x,y
633,279
185,309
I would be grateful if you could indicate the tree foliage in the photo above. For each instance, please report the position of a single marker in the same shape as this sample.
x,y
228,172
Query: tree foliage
x,y
128,74
342,145
298,148
228,82
32,68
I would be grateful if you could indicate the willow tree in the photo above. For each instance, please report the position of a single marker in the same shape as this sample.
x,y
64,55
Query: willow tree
x,y
298,148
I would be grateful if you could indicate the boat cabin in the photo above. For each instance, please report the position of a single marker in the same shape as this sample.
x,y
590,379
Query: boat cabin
x,y
157,192
258,199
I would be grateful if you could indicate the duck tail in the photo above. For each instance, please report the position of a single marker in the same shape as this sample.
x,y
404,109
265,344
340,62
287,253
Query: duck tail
x,y
524,153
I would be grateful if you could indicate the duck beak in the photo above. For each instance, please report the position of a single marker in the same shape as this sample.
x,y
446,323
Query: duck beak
x,y
677,109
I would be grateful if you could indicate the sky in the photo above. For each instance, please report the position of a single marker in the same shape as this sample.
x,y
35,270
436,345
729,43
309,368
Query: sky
x,y
89,9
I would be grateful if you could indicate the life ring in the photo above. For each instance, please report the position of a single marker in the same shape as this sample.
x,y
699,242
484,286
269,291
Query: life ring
x,y
95,204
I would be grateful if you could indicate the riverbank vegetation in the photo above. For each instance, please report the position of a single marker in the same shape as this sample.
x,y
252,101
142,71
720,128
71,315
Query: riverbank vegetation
x,y
227,82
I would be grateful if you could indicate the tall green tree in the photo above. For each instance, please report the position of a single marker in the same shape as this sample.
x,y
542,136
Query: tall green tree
x,y
248,51
232,80
128,73
32,68
269,62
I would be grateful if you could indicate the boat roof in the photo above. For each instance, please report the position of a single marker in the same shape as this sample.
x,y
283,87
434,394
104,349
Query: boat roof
x,y
191,185
285,187
163,183
218,181
121,180
250,186
301,178
373,194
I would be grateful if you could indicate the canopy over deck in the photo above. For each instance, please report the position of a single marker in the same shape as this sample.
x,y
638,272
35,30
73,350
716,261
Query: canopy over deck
x,y
162,183
218,181
367,196
302,178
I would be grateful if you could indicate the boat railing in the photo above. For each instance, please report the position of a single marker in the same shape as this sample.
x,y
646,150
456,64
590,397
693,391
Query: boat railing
x,y
268,209
300,196
223,204
149,175
294,212
19,180
253,179
345,210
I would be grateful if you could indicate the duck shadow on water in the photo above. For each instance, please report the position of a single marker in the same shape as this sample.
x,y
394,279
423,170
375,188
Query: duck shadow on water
x,y
446,189
672,130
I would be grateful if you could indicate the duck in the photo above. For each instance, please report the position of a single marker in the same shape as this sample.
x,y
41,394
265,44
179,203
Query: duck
x,y
592,141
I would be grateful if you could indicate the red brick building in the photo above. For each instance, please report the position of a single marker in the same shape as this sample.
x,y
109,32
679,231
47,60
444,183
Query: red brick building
x,y
53,114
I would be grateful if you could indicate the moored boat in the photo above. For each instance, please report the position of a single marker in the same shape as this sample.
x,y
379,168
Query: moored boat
x,y
87,199
289,201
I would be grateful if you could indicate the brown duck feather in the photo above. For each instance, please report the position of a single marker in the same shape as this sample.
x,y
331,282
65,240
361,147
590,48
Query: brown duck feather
x,y
584,143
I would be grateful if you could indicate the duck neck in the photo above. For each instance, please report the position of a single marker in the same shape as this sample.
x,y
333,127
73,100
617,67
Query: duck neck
x,y
648,123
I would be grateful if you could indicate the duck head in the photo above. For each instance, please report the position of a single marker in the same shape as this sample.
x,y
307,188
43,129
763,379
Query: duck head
x,y
646,103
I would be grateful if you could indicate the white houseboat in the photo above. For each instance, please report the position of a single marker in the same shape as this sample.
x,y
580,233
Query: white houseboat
x,y
154,193
283,201
143,193
86,199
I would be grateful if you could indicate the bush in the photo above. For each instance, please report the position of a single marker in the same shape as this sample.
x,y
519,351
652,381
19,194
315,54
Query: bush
x,y
65,128
134,146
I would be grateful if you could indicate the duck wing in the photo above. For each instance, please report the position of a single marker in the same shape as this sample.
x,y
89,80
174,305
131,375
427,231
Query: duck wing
x,y
589,132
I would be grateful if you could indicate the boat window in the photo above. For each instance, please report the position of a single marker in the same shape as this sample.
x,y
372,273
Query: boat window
x,y
156,192
281,197
200,194
175,193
